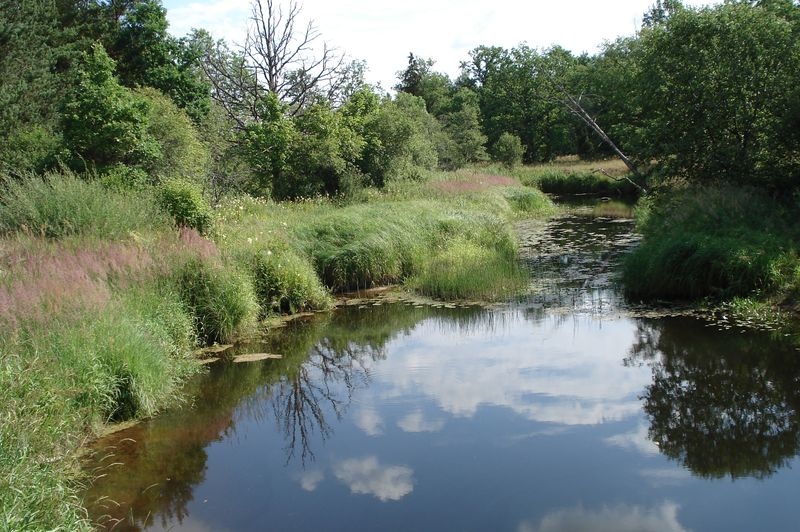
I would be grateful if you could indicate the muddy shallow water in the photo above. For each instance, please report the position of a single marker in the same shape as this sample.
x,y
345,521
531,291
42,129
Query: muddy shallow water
x,y
566,409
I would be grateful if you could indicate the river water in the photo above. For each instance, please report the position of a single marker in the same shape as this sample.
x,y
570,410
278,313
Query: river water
x,y
566,409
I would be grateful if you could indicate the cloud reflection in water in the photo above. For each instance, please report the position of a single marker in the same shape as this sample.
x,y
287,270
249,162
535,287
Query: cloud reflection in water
x,y
623,518
416,422
367,476
561,372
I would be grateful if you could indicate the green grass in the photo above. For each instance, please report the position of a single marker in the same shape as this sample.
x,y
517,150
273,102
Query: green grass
x,y
91,330
385,241
464,270
285,282
572,176
713,241
61,204
221,299
60,382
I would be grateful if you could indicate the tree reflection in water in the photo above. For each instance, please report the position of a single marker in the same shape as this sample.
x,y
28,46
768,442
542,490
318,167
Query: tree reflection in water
x,y
327,379
720,404
326,359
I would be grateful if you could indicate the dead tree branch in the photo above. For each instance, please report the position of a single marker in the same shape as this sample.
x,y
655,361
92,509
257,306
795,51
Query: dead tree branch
x,y
577,109
622,178
281,57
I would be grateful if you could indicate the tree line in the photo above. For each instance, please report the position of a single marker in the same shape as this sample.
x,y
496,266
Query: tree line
x,y
101,86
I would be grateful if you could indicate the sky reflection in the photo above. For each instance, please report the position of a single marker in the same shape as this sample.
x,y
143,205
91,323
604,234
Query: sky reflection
x,y
623,518
368,476
564,372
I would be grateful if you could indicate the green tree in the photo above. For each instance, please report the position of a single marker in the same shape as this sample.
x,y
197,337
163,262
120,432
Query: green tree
x,y
400,140
104,123
610,94
434,88
718,92
266,144
508,150
147,55
181,153
516,95
322,156
463,126
37,46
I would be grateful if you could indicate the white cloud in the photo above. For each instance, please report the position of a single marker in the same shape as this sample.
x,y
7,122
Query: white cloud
x,y
309,480
416,422
368,420
636,440
663,518
383,33
368,477
666,476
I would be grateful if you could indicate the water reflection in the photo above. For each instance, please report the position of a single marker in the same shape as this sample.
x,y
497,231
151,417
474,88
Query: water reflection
x,y
471,419
152,469
369,477
566,372
663,518
720,404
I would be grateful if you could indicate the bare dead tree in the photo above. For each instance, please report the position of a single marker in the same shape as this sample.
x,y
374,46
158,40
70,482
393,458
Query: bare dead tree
x,y
281,54
279,57
573,104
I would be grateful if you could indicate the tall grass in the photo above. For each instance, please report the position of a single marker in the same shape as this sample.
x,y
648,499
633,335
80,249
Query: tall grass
x,y
220,298
385,241
286,283
569,176
365,245
717,241
95,326
464,270
61,204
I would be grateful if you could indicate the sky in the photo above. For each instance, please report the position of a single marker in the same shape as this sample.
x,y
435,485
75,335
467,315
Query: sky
x,y
384,33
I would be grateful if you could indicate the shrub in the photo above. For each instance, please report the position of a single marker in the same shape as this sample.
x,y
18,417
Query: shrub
x,y
123,178
508,150
180,151
32,148
184,201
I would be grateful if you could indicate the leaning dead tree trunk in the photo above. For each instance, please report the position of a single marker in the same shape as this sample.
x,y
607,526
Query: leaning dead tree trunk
x,y
575,107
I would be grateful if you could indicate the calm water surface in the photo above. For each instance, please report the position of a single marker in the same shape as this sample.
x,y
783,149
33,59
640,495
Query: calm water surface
x,y
561,411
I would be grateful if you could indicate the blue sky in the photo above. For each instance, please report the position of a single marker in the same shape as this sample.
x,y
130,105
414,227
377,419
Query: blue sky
x,y
383,33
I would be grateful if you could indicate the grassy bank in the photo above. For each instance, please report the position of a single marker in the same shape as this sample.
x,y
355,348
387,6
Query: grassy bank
x,y
720,242
103,298
573,176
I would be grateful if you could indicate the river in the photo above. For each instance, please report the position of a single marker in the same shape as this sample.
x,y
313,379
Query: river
x,y
568,408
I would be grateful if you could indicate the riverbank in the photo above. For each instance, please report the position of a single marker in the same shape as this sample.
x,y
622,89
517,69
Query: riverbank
x,y
731,246
104,301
